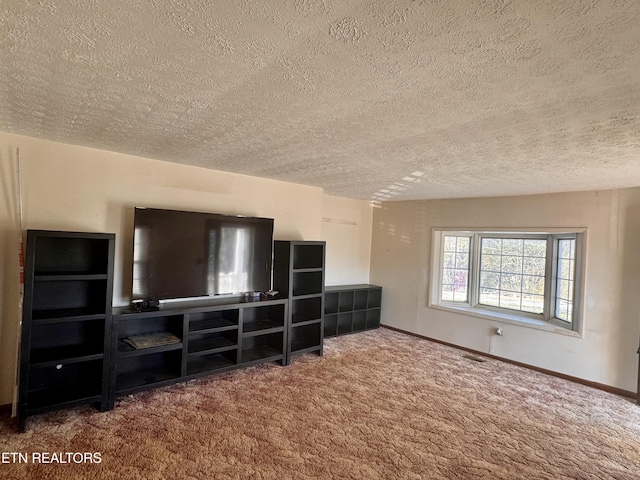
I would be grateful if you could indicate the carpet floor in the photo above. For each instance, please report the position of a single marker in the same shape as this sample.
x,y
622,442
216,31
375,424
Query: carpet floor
x,y
378,405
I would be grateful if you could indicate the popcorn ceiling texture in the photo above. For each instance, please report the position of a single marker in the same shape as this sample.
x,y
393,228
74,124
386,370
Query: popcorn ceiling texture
x,y
371,99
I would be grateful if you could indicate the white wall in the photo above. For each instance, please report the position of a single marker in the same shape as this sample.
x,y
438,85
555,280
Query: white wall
x,y
66,187
347,223
606,353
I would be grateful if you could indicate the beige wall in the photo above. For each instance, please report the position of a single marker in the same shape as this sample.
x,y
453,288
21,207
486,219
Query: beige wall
x,y
606,353
347,223
66,187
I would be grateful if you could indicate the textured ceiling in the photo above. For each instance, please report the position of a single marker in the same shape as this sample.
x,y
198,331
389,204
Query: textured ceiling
x,y
371,99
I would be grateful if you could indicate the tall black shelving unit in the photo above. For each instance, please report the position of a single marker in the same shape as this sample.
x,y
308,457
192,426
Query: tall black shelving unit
x,y
298,273
66,321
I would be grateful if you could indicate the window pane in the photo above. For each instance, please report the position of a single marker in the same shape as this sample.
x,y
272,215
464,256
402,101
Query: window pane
x,y
532,303
512,246
491,263
512,273
510,300
491,245
462,244
565,279
563,289
448,274
447,293
511,282
449,260
565,269
455,268
450,244
535,248
490,280
462,260
460,287
512,264
489,296
534,265
533,284
563,310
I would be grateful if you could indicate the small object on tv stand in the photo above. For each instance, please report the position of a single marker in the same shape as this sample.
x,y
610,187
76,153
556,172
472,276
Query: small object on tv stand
x,y
271,294
145,305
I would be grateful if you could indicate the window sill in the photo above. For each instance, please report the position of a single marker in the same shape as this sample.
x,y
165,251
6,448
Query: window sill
x,y
508,318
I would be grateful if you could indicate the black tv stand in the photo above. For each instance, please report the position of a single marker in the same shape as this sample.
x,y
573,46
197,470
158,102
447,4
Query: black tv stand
x,y
210,338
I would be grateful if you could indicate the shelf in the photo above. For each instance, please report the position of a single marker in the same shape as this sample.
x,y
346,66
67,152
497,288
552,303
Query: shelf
x,y
330,325
331,303
126,350
63,356
156,323
360,300
126,383
307,270
209,363
309,255
303,319
359,321
301,351
374,299
345,322
263,320
62,277
306,309
260,327
306,336
154,368
261,352
71,293
307,283
373,318
42,317
263,347
62,397
53,343
345,302
306,322
71,252
306,296
212,325
208,345
51,387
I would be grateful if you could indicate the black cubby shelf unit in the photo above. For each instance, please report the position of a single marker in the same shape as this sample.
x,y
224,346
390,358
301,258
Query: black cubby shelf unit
x,y
66,321
299,273
210,339
351,308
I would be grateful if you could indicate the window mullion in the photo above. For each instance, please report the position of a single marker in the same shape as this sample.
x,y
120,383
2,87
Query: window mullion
x,y
474,270
550,274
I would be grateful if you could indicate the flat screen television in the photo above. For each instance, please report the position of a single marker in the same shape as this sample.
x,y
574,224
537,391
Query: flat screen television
x,y
179,254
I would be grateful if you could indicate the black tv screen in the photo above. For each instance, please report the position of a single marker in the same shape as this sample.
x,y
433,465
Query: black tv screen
x,y
189,254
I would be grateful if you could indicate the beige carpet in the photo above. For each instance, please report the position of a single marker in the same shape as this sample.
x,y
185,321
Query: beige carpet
x,y
378,405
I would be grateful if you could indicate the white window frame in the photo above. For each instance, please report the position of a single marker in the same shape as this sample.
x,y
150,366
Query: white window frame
x,y
544,321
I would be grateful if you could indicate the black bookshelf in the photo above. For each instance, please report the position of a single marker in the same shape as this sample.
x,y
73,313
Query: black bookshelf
x,y
66,321
298,273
